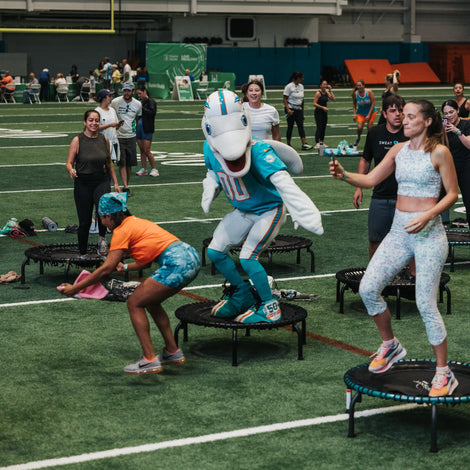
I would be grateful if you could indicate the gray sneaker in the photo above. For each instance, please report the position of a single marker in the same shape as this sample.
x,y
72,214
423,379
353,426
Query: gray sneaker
x,y
142,366
175,359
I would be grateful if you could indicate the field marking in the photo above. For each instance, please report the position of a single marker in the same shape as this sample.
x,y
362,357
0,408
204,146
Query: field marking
x,y
113,453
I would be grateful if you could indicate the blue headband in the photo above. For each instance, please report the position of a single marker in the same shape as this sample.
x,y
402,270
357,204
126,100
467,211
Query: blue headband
x,y
110,203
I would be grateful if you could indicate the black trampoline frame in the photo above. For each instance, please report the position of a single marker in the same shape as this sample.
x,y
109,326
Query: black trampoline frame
x,y
456,238
351,278
42,255
419,399
281,244
291,315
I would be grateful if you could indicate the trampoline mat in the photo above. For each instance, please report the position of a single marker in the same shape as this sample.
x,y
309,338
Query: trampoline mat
x,y
67,253
200,314
408,381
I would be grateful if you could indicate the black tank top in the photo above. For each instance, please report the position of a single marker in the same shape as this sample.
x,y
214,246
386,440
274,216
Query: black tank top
x,y
92,155
463,112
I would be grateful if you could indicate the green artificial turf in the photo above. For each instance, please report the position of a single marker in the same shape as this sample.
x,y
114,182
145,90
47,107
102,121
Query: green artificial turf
x,y
63,392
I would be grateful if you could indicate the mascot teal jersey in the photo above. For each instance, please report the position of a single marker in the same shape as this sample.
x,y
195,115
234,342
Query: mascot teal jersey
x,y
252,192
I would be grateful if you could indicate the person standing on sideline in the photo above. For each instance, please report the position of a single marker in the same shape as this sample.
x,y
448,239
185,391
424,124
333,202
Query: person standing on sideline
x,y
145,242
391,88
421,166
264,117
44,80
107,72
320,101
126,71
364,109
380,139
89,165
128,110
462,102
458,136
293,96
109,121
145,130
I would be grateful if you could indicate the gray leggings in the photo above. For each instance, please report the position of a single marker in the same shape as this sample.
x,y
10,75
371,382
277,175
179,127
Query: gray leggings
x,y
429,248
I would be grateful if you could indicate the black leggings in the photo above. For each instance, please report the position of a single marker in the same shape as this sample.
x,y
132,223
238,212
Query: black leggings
x,y
87,192
463,177
297,116
321,118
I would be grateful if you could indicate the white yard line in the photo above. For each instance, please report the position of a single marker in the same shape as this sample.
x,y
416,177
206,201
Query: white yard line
x,y
112,453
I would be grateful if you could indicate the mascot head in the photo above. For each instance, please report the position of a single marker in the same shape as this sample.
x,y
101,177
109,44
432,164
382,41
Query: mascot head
x,y
226,126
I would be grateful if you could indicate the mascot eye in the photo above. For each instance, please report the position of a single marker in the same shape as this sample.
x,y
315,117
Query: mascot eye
x,y
244,120
208,129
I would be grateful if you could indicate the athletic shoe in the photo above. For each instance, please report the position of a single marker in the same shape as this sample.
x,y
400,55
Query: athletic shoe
x,y
235,301
154,172
443,384
141,172
386,357
175,359
127,190
142,366
102,248
84,256
269,311
317,145
307,147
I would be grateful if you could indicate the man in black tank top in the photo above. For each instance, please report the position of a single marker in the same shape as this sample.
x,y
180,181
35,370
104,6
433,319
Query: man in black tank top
x,y
380,139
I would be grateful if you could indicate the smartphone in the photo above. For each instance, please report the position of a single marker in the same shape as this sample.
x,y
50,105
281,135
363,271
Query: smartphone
x,y
444,122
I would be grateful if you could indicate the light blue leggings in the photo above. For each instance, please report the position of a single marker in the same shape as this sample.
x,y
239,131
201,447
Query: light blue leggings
x,y
429,248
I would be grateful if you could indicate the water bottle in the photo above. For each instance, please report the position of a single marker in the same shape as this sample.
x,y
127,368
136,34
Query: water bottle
x,y
321,149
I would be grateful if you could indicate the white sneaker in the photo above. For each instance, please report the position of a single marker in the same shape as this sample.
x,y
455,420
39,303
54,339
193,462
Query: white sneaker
x,y
141,172
154,172
317,145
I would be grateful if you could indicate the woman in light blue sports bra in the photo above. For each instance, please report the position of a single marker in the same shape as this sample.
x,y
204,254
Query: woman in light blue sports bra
x,y
421,166
364,109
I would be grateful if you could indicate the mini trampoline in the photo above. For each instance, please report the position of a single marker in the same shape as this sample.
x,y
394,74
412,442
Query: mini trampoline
x,y
281,244
407,381
66,255
399,287
456,238
200,314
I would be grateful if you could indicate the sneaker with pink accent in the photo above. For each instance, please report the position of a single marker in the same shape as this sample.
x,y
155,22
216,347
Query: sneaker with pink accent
x,y
141,172
154,172
443,384
385,357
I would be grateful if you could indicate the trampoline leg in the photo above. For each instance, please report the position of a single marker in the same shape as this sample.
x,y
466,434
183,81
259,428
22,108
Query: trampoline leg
x,y
203,256
355,399
175,334
451,255
300,355
398,313
312,260
433,428
449,305
23,271
341,299
304,331
41,267
234,347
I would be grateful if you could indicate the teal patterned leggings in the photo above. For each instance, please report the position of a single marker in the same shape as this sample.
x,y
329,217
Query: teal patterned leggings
x,y
429,248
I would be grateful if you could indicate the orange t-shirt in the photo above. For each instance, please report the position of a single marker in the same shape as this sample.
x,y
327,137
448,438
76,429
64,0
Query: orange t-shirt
x,y
142,239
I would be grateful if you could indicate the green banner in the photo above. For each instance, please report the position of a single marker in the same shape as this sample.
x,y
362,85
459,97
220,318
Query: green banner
x,y
172,60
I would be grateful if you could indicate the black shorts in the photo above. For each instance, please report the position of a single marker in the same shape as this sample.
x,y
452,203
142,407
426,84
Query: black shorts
x,y
128,152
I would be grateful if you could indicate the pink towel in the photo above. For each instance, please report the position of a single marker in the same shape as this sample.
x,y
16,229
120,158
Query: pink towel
x,y
95,291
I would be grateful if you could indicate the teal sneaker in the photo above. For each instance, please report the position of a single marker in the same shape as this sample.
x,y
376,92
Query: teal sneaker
x,y
235,301
269,311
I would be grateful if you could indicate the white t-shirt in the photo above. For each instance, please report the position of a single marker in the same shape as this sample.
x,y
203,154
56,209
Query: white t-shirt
x,y
105,118
295,95
126,73
262,120
127,112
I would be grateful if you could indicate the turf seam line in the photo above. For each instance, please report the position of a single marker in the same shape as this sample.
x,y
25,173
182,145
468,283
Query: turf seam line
x,y
92,456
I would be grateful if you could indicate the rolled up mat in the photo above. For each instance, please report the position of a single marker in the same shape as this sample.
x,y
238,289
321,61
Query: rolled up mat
x,y
49,224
